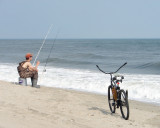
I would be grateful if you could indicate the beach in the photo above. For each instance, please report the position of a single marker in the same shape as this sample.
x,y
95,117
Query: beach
x,y
76,51
27,107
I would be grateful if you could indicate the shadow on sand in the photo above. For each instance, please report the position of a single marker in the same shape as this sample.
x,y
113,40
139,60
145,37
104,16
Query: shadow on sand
x,y
103,111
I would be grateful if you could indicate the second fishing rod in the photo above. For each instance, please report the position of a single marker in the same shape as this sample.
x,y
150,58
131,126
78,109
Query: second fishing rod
x,y
50,51
44,69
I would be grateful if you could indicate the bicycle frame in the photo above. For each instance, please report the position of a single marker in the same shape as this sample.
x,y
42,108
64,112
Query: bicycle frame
x,y
114,88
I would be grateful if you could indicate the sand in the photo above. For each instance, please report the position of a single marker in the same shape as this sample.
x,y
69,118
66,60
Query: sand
x,y
27,107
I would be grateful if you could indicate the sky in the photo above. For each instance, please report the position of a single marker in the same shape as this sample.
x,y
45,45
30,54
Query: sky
x,y
76,19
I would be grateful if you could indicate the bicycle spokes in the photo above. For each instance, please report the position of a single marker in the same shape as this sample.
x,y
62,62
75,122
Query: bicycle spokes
x,y
111,100
124,106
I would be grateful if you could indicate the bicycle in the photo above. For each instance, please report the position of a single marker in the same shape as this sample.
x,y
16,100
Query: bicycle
x,y
117,97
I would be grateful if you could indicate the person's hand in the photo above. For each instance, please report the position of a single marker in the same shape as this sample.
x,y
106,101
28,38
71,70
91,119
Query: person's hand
x,y
38,62
35,69
37,66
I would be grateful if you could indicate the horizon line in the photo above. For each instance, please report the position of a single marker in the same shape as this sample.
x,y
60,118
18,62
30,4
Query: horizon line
x,y
69,38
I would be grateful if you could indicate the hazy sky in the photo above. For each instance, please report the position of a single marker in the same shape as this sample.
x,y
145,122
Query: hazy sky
x,y
80,18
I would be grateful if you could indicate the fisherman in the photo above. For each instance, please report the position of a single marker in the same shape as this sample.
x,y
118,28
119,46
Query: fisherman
x,y
26,70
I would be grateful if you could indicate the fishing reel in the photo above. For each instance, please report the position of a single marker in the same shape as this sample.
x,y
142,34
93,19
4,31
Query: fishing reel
x,y
44,70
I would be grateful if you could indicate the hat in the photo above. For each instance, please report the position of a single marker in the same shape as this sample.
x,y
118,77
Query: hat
x,y
28,55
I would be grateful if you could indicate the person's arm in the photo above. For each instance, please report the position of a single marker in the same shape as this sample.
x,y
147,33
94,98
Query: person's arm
x,y
37,65
31,68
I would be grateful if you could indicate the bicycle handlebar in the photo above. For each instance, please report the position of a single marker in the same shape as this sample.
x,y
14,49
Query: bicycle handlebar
x,y
111,72
102,70
120,67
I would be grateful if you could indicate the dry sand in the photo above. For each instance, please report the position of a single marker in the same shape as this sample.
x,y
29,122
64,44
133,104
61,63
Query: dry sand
x,y
27,107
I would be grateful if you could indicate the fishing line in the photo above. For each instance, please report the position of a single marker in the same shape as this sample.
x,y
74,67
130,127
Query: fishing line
x,y
42,44
44,70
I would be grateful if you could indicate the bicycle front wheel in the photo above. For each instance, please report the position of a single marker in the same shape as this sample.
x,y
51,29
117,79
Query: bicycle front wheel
x,y
111,100
124,105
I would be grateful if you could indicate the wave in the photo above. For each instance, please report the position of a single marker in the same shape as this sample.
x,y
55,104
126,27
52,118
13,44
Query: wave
x,y
150,65
141,87
90,56
78,57
68,61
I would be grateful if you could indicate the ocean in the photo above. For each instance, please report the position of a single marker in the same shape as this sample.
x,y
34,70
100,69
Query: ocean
x,y
72,64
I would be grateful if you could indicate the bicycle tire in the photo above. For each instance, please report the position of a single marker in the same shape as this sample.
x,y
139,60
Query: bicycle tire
x,y
124,105
111,101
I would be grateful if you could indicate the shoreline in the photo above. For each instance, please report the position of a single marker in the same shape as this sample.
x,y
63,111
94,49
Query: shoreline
x,y
101,94
24,106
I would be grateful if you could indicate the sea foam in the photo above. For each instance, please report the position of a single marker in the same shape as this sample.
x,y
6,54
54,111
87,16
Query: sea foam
x,y
141,87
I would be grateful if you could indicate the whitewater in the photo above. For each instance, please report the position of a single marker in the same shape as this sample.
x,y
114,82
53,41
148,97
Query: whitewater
x,y
141,87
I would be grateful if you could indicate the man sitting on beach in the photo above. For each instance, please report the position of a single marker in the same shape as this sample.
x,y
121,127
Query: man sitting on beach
x,y
26,70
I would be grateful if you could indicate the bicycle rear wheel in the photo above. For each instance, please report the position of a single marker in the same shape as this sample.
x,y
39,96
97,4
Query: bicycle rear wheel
x,y
124,105
111,101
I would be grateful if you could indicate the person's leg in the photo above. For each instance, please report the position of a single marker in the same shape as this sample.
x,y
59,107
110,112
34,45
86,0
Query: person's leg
x,y
34,78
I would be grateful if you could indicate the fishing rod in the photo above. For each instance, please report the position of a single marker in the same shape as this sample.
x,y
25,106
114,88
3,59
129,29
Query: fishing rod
x,y
44,70
42,44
